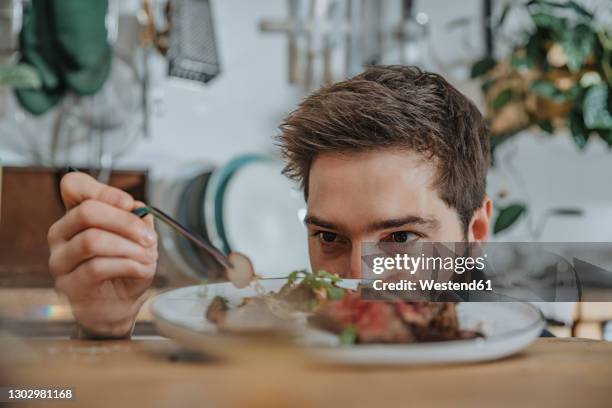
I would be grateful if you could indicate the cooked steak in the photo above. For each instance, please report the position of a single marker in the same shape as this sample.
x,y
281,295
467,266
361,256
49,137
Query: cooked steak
x,y
391,322
379,323
376,322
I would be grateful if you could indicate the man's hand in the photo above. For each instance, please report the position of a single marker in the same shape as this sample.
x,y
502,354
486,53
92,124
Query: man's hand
x,y
103,257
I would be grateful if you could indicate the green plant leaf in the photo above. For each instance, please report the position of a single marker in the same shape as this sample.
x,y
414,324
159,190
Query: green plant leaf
x,y
536,48
349,335
545,88
332,277
549,21
335,293
595,108
502,99
578,44
590,78
546,125
549,90
605,39
508,216
579,131
581,139
574,93
482,66
293,276
567,4
606,135
521,62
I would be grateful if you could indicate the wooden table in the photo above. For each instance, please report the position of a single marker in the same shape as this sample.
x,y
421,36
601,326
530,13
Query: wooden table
x,y
156,373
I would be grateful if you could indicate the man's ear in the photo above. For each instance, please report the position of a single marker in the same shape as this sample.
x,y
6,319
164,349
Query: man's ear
x,y
478,230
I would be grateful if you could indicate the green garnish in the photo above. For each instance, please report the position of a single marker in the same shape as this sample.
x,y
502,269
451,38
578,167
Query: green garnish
x,y
335,293
318,280
326,275
348,337
292,277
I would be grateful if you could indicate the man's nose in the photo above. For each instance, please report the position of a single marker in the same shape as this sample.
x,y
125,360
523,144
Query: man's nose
x,y
356,261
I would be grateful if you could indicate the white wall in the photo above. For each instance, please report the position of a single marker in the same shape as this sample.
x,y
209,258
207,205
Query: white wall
x,y
240,111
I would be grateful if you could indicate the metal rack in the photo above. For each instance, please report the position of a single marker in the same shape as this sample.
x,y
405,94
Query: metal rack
x,y
332,39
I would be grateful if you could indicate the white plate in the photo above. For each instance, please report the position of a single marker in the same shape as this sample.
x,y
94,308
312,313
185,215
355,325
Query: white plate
x,y
508,328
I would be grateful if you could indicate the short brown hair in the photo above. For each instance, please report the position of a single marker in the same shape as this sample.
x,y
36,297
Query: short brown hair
x,y
394,107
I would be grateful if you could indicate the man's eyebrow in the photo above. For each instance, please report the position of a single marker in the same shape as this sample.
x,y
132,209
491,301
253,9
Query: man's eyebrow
x,y
377,225
402,222
314,220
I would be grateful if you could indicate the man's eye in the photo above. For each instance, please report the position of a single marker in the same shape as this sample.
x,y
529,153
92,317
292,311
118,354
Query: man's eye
x,y
400,236
328,237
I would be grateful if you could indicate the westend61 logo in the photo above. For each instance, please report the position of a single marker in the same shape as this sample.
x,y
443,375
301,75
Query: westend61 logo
x,y
485,272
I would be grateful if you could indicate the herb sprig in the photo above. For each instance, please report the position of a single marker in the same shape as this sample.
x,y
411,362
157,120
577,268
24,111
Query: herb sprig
x,y
319,280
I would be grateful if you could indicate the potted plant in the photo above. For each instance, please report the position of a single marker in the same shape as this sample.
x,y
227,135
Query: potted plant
x,y
558,75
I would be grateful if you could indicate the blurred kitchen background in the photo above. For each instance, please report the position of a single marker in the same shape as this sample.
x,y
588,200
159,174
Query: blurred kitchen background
x,y
178,102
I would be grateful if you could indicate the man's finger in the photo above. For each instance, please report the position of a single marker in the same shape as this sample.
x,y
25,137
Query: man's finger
x,y
78,187
95,271
97,214
93,243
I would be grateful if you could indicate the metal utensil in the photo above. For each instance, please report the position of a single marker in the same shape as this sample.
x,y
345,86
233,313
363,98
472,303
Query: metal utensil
x,y
238,267
177,226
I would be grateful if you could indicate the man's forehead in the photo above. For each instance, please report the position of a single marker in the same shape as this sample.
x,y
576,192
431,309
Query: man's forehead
x,y
380,172
361,188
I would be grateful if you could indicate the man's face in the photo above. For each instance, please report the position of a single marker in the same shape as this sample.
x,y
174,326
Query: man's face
x,y
371,197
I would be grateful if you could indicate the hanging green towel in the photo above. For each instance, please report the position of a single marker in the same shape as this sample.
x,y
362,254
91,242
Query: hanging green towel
x,y
81,34
38,50
66,42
